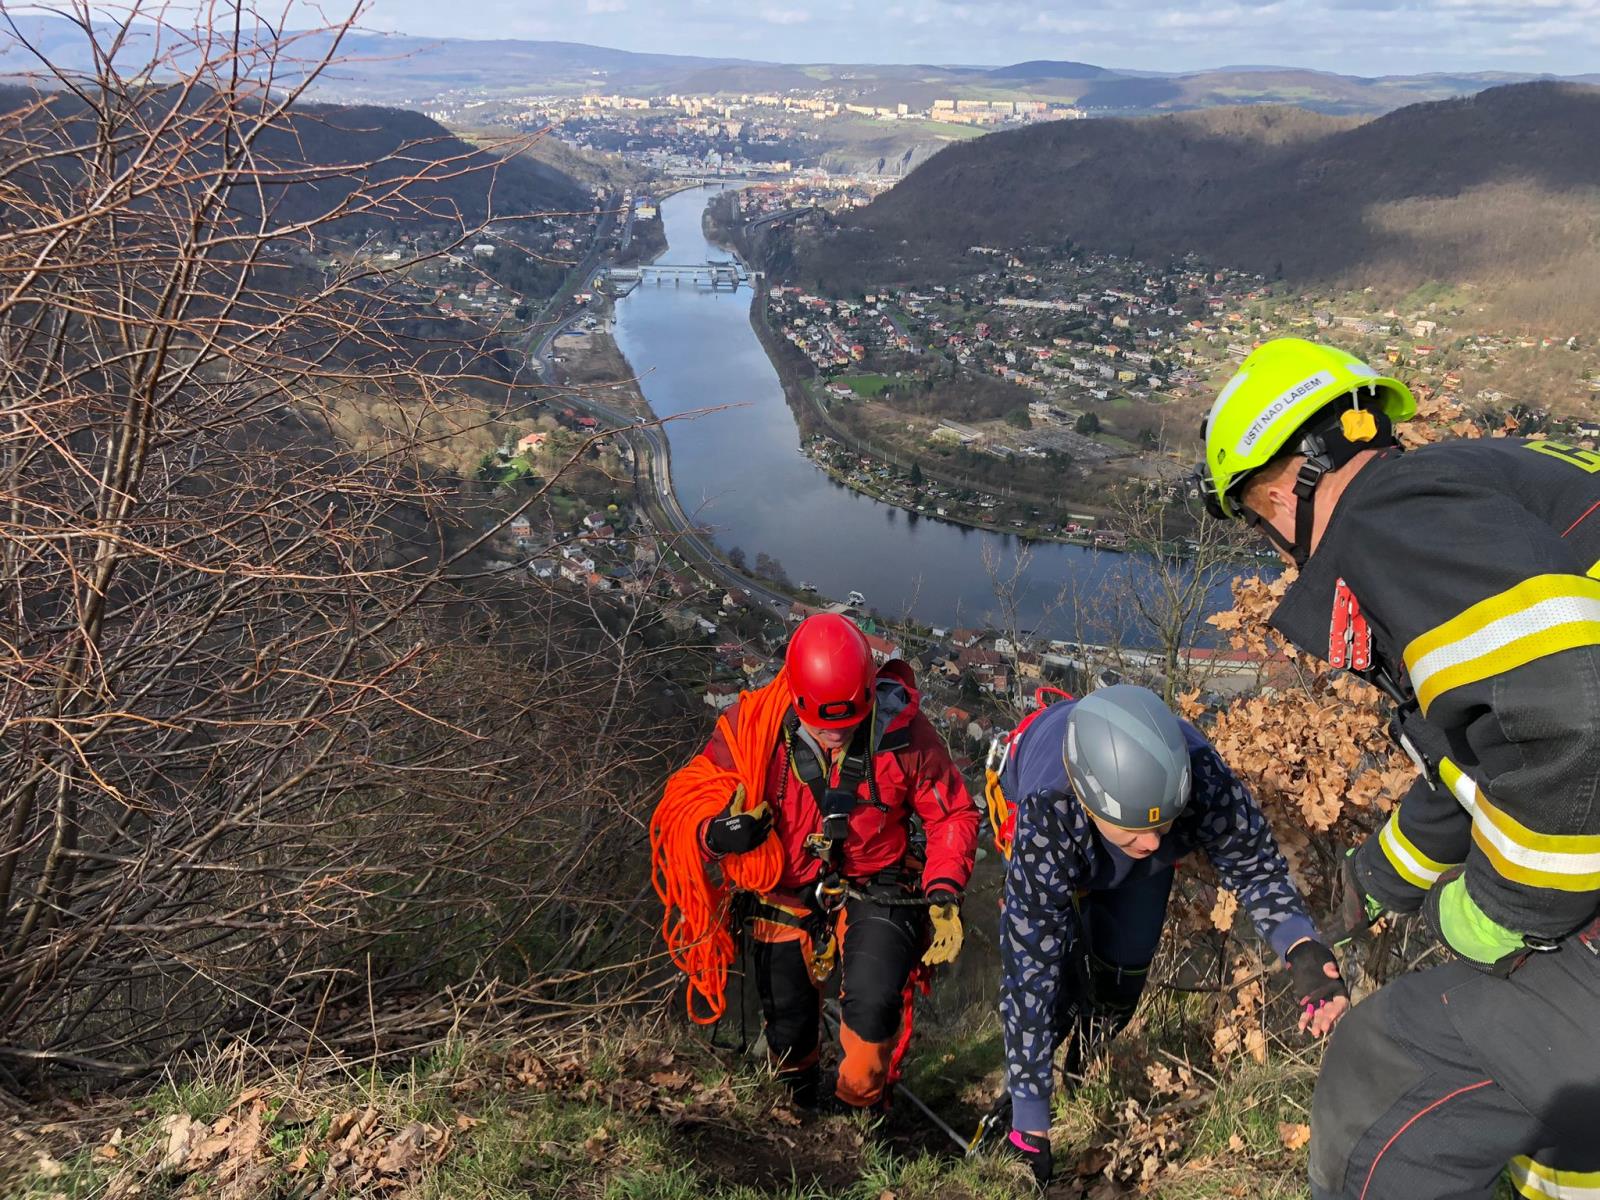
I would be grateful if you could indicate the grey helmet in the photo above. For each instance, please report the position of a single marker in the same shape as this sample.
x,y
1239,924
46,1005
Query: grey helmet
x,y
1126,757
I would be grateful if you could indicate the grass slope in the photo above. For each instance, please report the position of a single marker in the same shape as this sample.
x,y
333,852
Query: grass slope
x,y
651,1113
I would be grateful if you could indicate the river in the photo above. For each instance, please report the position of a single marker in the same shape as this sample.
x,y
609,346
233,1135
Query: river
x,y
739,471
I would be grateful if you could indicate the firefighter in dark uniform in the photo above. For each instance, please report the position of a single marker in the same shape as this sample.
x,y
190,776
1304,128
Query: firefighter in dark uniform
x,y
1463,579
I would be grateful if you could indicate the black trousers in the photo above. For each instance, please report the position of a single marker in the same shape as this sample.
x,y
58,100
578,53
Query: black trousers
x,y
1432,1085
1105,974
880,945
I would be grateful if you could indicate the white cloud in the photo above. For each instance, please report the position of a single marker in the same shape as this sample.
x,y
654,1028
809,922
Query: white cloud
x,y
785,16
605,6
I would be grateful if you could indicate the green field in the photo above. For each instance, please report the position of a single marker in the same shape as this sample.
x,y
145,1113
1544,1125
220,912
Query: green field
x,y
868,387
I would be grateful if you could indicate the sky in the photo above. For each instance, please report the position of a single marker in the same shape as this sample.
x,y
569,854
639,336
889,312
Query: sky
x,y
1351,37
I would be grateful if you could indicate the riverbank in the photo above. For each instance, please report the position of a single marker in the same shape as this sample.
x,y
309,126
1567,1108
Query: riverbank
x,y
964,503
891,480
587,360
610,393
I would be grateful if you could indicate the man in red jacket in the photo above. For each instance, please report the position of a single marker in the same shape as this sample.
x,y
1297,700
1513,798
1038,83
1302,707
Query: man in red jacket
x,y
855,762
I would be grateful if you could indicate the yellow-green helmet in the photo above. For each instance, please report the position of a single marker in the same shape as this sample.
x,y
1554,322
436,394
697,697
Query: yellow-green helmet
x,y
1280,387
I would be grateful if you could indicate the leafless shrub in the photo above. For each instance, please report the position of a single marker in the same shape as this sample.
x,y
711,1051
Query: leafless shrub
x,y
268,752
1151,615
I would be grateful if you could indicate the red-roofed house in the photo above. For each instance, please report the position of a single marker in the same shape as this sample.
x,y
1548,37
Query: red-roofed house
x,y
882,649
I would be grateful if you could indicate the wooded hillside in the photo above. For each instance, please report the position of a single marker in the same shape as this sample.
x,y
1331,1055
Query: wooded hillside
x,y
1497,190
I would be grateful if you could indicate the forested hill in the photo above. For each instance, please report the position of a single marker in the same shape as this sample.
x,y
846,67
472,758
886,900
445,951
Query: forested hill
x,y
307,148
408,141
1498,189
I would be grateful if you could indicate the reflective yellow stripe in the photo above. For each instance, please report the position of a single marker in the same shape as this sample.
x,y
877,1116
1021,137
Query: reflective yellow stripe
x,y
1594,571
1412,865
1539,617
1562,862
1539,1182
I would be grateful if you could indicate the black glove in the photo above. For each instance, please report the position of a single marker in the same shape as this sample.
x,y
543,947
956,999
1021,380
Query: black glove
x,y
1312,987
1033,1149
738,832
1357,909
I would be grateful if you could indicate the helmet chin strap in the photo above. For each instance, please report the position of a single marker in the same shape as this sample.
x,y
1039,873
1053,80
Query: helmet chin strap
x,y
1305,512
1326,450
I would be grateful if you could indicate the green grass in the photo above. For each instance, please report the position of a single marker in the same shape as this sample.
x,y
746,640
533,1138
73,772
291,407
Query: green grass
x,y
868,387
575,1139
1433,292
648,1115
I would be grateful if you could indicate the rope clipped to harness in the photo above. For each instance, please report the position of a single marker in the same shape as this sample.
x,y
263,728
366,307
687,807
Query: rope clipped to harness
x,y
836,799
694,922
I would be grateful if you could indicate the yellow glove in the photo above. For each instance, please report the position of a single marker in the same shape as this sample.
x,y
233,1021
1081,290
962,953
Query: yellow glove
x,y
738,832
946,943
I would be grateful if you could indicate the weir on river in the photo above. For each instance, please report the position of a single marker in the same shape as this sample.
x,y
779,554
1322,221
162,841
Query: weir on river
x,y
738,469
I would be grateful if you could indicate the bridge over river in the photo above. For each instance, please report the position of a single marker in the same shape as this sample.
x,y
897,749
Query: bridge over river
x,y
711,275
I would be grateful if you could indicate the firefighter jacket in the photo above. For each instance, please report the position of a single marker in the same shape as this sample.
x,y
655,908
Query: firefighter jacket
x,y
913,775
1057,854
1468,573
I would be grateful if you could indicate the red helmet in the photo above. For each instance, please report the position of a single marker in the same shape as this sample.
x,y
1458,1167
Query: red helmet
x,y
831,673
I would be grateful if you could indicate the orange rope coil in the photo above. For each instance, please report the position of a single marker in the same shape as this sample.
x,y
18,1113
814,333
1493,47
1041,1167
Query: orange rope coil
x,y
694,923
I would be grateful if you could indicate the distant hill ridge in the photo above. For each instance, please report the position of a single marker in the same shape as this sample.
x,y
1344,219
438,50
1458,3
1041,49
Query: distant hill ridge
x,y
384,144
1049,69
1501,190
411,70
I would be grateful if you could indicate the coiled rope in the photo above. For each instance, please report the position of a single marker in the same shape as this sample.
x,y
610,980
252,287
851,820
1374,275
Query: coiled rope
x,y
695,921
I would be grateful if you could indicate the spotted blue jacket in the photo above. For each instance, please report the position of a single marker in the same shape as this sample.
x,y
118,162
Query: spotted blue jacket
x,y
1057,853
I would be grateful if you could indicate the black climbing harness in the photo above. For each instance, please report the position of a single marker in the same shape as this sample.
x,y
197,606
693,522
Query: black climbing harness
x,y
836,800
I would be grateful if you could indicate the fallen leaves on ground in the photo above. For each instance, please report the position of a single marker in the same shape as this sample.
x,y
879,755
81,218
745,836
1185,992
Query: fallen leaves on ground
x,y
234,1157
1292,1135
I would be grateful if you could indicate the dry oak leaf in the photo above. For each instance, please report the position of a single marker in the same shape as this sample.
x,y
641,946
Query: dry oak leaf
x,y
630,1094
1235,1143
182,1132
46,1167
718,1094
672,1080
342,1124
211,1146
414,1147
358,1131
246,1096
1292,1135
1224,910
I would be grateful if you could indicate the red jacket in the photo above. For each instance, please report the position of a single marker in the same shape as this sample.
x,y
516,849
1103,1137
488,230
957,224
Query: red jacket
x,y
914,774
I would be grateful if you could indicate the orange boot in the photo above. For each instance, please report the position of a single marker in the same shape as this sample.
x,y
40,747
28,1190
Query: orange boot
x,y
864,1073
